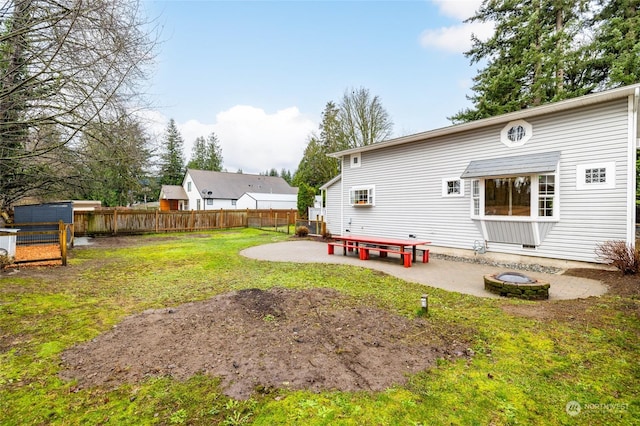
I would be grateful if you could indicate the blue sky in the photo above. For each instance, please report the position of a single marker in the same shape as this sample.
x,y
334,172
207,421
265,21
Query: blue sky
x,y
259,73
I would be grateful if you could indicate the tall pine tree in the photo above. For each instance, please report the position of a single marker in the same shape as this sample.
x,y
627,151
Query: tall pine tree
x,y
618,41
172,158
526,57
206,154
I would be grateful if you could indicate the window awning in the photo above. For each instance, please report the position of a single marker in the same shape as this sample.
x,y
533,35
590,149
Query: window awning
x,y
546,162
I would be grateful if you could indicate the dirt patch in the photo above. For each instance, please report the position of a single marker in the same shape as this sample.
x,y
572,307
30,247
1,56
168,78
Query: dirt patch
x,y
255,340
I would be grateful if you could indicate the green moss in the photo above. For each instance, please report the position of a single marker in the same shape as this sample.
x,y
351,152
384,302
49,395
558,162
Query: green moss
x,y
523,371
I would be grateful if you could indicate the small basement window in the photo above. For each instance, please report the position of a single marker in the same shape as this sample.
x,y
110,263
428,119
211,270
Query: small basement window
x,y
362,196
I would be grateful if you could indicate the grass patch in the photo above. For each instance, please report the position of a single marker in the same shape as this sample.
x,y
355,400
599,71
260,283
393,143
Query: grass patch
x,y
523,371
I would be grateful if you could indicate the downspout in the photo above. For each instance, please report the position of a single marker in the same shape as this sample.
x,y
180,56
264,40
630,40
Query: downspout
x,y
634,140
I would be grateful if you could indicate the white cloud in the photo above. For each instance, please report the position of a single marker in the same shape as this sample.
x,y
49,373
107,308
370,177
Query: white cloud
x,y
459,9
456,38
254,140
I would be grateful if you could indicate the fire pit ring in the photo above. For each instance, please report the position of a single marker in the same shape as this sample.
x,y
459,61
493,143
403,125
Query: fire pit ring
x,y
515,284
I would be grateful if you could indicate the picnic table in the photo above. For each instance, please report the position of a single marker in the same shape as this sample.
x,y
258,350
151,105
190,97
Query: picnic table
x,y
363,244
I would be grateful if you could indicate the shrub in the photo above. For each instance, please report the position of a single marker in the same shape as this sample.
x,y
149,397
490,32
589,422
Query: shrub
x,y
302,231
622,256
326,235
5,260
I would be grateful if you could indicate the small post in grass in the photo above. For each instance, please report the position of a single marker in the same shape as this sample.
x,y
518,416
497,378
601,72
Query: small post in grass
x,y
424,304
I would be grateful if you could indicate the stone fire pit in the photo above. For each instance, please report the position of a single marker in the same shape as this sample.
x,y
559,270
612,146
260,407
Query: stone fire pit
x,y
515,284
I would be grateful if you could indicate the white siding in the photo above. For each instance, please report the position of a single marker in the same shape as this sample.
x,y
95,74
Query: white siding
x,y
408,182
333,213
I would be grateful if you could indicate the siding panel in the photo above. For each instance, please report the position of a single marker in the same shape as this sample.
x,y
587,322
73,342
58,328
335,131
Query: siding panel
x,y
408,186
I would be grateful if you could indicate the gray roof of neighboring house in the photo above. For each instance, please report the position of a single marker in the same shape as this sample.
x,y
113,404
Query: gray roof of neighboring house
x,y
231,186
173,192
271,197
545,162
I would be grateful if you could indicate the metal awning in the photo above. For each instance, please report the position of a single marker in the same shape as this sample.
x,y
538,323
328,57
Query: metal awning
x,y
546,162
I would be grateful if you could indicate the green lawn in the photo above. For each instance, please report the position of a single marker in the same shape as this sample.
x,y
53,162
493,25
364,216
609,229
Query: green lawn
x,y
524,371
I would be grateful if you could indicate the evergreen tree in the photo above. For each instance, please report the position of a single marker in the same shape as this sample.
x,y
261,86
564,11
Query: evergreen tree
x,y
548,50
306,199
286,175
198,154
172,158
316,167
526,56
115,163
206,154
618,41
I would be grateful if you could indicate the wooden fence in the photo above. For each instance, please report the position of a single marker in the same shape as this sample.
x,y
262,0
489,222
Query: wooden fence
x,y
117,221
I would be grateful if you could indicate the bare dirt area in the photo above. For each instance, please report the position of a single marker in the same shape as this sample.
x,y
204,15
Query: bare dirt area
x,y
255,341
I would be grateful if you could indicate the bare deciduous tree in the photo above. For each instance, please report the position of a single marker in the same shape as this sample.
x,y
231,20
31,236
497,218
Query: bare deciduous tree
x,y
64,65
363,119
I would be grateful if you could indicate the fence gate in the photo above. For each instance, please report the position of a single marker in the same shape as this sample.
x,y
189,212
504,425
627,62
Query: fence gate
x,y
279,223
42,242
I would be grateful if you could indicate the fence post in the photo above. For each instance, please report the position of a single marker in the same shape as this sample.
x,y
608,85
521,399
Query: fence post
x,y
157,220
288,222
115,221
62,235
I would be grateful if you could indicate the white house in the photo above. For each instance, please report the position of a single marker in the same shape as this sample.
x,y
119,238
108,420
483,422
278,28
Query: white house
x,y
551,181
207,190
256,200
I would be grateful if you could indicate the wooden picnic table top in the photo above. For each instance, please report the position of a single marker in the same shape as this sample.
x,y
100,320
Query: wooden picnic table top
x,y
381,240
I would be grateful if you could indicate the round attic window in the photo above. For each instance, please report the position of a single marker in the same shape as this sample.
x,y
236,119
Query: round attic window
x,y
516,133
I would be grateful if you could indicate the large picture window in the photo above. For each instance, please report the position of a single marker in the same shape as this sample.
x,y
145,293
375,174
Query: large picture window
x,y
515,196
508,196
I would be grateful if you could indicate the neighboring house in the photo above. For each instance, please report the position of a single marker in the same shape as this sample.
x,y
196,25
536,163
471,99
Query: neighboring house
x,y
551,181
173,197
256,200
207,190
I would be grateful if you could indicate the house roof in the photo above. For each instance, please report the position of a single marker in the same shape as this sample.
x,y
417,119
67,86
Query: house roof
x,y
271,197
231,186
595,98
331,182
545,162
173,192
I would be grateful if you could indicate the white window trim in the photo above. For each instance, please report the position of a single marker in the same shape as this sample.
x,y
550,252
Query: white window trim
x,y
445,187
535,198
610,170
504,134
372,195
355,160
